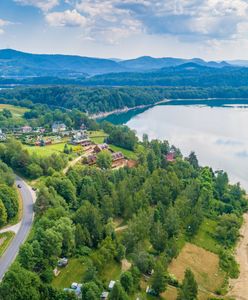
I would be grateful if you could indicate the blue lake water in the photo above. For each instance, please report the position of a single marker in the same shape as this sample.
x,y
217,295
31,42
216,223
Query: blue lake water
x,y
217,133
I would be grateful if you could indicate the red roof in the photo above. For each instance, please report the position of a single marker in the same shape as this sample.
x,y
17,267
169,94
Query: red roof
x,y
170,157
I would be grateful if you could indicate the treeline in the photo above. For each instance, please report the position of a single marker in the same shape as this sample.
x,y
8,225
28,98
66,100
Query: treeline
x,y
159,202
8,195
30,166
44,116
103,99
189,74
180,76
121,136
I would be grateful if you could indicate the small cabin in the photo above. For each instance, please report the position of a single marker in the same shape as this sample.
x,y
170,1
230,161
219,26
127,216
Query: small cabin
x,y
104,295
58,127
117,156
86,143
91,159
111,284
100,147
26,129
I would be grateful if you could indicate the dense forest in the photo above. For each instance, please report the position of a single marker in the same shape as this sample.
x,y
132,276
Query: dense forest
x,y
162,204
103,99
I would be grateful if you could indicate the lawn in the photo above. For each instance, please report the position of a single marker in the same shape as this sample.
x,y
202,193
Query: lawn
x,y
98,137
205,236
73,272
5,239
47,150
112,271
17,111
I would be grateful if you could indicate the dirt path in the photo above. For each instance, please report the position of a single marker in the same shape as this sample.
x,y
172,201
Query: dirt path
x,y
239,287
121,228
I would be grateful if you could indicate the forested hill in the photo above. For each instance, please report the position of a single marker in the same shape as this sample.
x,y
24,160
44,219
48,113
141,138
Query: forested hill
x,y
189,74
19,64
105,99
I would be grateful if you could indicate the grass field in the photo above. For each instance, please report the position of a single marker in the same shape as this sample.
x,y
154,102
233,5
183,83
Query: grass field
x,y
205,236
98,137
17,111
112,271
73,272
205,266
5,239
47,150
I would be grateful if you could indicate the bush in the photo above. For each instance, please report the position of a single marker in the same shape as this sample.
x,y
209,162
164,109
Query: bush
x,y
228,264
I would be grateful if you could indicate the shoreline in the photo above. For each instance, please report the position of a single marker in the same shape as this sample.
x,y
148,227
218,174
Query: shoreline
x,y
126,109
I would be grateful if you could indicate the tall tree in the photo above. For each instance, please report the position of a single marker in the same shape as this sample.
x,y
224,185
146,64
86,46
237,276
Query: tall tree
x,y
189,289
159,279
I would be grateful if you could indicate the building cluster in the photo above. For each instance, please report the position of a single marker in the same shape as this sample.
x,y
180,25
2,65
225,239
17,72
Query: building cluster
x,y
118,158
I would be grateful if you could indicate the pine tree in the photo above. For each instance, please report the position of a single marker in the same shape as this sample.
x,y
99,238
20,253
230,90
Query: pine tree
x,y
189,289
159,280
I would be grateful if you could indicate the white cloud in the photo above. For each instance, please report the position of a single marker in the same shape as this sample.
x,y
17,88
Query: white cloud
x,y
44,5
114,20
107,22
3,23
70,18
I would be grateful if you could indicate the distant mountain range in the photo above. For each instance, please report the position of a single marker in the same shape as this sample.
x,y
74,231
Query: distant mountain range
x,y
20,65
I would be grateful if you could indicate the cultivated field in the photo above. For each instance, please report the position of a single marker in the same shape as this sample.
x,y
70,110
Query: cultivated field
x,y
17,111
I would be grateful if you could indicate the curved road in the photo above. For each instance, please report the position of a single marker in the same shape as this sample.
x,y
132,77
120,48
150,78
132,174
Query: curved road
x,y
28,198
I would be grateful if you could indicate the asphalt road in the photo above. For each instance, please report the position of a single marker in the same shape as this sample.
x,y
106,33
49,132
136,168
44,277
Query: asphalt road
x,y
28,198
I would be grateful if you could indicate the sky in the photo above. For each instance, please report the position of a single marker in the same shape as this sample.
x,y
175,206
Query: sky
x,y
210,29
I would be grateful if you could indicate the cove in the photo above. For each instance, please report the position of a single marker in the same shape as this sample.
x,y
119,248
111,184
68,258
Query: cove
x,y
216,130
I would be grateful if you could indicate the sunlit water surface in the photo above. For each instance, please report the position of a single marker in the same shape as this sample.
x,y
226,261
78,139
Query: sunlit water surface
x,y
218,135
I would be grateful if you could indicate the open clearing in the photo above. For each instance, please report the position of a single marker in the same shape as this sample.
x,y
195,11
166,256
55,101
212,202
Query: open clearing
x,y
239,287
205,266
17,111
47,150
205,236
73,272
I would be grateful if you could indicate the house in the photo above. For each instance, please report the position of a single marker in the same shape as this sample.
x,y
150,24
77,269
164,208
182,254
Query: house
x,y
91,159
1,131
26,129
86,143
58,127
117,156
3,136
111,284
63,262
104,295
79,137
100,147
170,157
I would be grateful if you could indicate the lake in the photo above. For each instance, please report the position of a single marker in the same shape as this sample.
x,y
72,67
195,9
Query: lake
x,y
216,130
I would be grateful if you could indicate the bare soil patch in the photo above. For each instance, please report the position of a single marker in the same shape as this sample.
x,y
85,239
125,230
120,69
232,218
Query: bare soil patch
x,y
205,266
